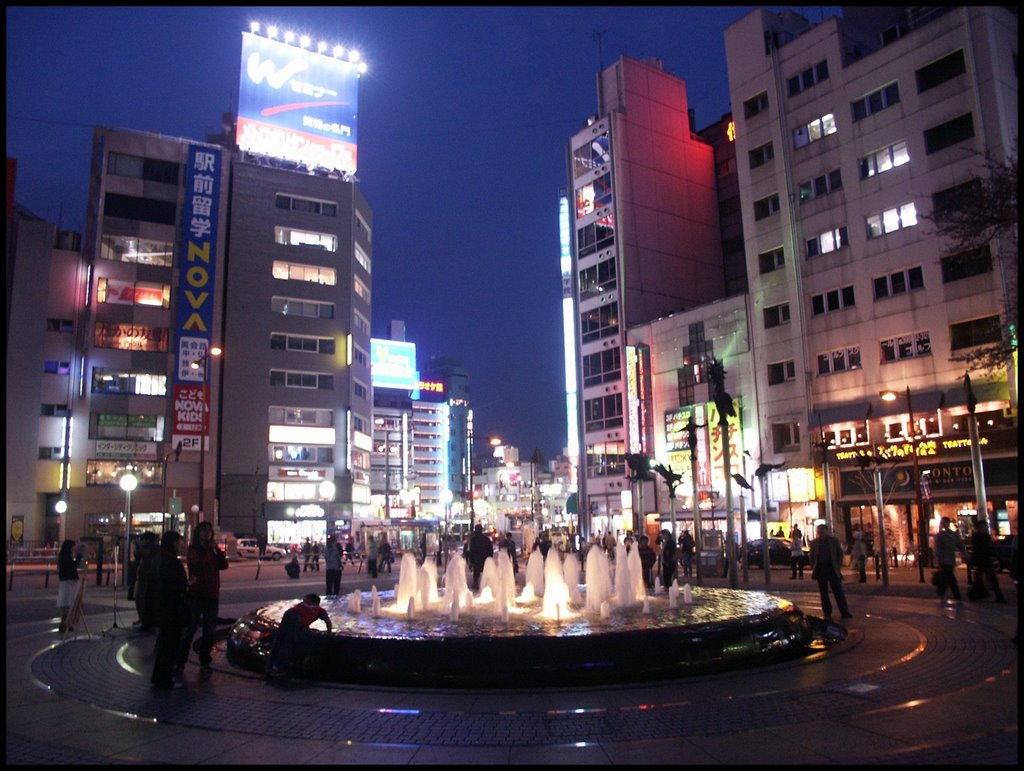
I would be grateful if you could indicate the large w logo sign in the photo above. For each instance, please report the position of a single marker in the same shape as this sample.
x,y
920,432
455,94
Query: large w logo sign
x,y
257,71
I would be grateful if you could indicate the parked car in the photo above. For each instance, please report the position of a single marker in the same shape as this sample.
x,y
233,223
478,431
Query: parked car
x,y
1002,553
778,553
248,547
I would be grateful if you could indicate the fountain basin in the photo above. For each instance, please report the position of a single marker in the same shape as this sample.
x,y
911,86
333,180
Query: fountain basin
x,y
721,630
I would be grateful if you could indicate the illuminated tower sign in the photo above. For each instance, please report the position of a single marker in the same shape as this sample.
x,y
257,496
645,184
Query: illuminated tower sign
x,y
297,104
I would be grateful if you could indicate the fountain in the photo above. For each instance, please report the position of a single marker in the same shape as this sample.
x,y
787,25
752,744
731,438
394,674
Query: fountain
x,y
552,634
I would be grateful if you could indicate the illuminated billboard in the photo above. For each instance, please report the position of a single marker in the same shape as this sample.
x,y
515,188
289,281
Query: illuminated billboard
x,y
297,104
197,261
393,365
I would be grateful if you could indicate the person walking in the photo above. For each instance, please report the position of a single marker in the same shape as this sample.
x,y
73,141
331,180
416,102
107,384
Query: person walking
x,y
947,543
67,577
332,566
147,582
796,553
205,561
173,611
294,635
826,569
981,560
350,552
647,561
859,556
668,559
510,547
261,544
686,545
372,551
480,548
384,557
307,554
316,557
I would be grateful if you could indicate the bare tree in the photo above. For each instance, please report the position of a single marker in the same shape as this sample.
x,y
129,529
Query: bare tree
x,y
980,219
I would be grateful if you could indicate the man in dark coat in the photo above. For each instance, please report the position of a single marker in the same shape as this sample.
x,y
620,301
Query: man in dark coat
x,y
173,611
480,548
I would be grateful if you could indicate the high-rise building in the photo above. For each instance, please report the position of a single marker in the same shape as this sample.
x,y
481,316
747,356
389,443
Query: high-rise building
x,y
297,406
644,238
850,135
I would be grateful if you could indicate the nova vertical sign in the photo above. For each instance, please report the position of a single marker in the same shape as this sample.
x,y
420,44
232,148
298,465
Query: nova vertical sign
x,y
197,260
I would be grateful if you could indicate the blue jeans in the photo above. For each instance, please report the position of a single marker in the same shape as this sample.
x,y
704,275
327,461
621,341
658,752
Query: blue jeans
x,y
204,616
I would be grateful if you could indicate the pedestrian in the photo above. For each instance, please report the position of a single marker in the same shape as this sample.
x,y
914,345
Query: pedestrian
x,y
294,635
544,544
510,547
307,553
261,544
686,545
316,556
147,582
384,557
895,556
796,553
609,543
647,561
981,560
205,561
292,568
668,559
826,569
350,552
173,612
372,552
332,566
480,549
947,543
67,577
859,556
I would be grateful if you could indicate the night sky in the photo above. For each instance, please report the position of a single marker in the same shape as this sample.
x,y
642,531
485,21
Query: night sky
x,y
464,116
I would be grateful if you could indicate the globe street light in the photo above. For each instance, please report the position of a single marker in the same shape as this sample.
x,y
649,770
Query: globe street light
x,y
128,483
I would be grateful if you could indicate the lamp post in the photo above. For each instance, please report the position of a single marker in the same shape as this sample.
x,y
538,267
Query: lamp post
x,y
723,402
922,523
203,362
446,498
469,469
698,538
826,477
976,466
176,452
128,483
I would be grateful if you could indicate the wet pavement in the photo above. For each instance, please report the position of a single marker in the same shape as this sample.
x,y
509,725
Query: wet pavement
x,y
912,683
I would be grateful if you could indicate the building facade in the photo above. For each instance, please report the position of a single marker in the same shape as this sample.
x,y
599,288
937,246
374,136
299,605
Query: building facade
x,y
850,134
296,413
644,239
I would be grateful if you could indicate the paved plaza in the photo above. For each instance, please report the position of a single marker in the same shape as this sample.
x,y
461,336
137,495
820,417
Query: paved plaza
x,y
912,683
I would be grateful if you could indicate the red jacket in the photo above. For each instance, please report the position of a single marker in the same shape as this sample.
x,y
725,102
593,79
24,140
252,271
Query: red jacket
x,y
204,566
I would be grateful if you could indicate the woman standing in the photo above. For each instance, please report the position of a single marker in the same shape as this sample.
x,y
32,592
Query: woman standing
x,y
67,575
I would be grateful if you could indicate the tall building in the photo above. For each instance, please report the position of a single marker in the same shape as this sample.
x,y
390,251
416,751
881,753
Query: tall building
x,y
850,134
296,411
644,238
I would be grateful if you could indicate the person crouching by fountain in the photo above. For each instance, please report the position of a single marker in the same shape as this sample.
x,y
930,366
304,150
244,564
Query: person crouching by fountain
x,y
480,548
294,635
647,560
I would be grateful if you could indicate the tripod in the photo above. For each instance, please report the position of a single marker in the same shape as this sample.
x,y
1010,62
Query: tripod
x,y
114,625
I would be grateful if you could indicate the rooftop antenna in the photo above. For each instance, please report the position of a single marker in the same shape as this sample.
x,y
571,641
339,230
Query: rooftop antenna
x,y
600,53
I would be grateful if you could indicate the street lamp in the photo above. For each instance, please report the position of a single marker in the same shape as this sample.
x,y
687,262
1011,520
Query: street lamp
x,y
202,362
922,523
128,483
446,499
176,452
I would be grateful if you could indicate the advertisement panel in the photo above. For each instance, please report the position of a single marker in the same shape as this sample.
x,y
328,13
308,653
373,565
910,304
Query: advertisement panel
x,y
297,105
197,261
393,365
